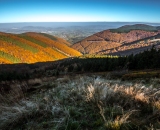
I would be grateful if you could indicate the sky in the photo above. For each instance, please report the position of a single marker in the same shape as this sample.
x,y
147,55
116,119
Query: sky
x,y
79,11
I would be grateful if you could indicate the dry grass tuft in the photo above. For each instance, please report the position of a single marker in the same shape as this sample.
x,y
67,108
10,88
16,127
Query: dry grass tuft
x,y
88,102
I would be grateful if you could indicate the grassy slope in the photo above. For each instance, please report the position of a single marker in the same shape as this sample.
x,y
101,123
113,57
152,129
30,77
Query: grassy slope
x,y
81,102
33,47
90,101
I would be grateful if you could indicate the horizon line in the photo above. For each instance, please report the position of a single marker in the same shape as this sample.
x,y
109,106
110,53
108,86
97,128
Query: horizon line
x,y
81,22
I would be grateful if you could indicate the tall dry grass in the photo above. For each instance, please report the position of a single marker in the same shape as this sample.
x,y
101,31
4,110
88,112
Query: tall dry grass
x,y
88,102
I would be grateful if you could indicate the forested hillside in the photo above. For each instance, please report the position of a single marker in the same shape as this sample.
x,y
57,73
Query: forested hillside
x,y
33,47
121,41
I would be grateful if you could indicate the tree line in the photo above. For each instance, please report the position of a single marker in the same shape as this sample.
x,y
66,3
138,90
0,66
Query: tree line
x,y
149,59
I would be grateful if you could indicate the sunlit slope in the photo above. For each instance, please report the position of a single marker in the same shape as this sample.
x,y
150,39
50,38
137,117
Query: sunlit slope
x,y
33,47
57,44
3,60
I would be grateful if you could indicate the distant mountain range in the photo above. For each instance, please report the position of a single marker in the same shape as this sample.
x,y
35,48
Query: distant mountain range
x,y
72,32
128,28
125,40
33,47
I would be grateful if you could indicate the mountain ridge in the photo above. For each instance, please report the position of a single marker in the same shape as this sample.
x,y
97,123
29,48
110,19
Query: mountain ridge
x,y
108,40
144,27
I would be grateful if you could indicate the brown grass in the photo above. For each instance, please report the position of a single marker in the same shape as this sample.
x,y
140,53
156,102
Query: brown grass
x,y
88,102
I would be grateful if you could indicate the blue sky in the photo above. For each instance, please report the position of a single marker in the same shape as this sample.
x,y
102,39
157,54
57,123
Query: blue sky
x,y
79,11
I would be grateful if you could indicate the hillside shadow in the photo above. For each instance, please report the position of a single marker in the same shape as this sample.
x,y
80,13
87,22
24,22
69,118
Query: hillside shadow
x,y
131,51
66,66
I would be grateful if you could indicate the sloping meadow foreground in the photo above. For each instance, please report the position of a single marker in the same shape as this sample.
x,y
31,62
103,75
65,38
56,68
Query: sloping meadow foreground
x,y
82,103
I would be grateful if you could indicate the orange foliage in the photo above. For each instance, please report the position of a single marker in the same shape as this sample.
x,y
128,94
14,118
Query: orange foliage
x,y
24,55
47,50
43,54
4,61
56,44
56,54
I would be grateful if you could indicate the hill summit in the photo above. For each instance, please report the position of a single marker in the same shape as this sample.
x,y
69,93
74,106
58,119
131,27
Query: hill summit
x,y
128,28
